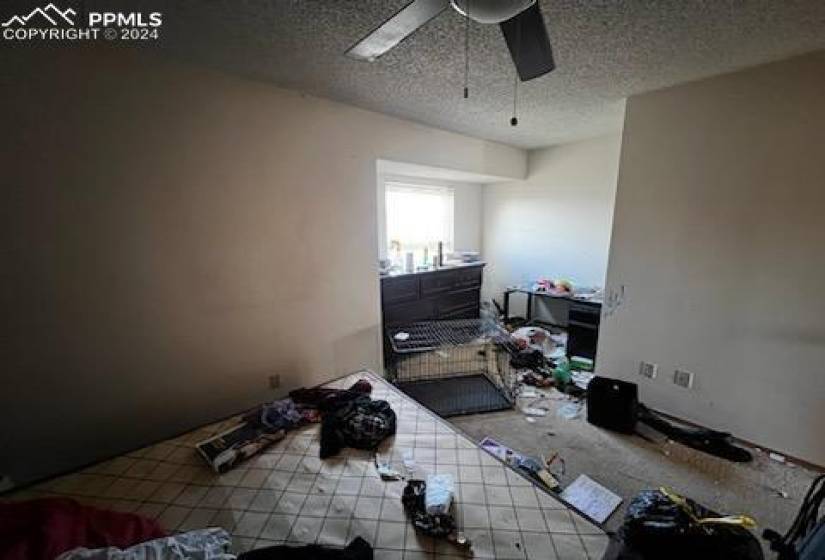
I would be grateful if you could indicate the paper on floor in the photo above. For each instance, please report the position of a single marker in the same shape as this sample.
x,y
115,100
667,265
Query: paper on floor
x,y
591,498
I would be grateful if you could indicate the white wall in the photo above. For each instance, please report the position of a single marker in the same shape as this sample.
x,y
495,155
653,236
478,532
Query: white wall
x,y
557,222
174,236
718,241
466,211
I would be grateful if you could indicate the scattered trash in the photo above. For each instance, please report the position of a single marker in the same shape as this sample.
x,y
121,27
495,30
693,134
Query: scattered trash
x,y
553,458
528,392
548,480
440,525
582,379
570,411
535,338
409,462
535,468
535,380
413,498
538,472
533,411
777,457
530,419
591,498
439,494
385,471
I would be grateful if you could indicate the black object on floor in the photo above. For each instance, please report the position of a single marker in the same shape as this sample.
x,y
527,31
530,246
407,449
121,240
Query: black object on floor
x,y
719,444
612,404
805,540
358,549
432,525
454,396
656,527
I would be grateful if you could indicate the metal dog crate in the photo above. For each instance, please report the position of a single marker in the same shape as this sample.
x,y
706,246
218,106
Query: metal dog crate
x,y
454,367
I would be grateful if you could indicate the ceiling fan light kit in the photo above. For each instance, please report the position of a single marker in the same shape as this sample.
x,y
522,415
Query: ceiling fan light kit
x,y
490,11
521,23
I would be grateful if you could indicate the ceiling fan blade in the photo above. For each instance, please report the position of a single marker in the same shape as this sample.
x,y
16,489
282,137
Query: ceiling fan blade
x,y
400,26
526,37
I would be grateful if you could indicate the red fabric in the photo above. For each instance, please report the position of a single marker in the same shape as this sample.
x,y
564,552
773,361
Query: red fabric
x,y
43,529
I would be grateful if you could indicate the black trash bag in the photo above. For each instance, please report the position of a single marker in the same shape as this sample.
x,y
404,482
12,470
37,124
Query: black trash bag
x,y
432,525
655,527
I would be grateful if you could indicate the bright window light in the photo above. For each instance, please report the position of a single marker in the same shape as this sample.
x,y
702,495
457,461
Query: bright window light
x,y
418,217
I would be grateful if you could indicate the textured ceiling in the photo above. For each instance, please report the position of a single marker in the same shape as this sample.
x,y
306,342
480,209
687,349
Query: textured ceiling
x,y
605,51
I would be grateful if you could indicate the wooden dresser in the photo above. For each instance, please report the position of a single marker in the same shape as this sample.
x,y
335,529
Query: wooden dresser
x,y
452,292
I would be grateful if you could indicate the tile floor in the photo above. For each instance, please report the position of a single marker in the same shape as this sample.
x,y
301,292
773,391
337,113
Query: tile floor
x,y
288,495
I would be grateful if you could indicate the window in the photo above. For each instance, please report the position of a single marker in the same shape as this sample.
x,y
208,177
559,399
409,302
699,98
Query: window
x,y
418,217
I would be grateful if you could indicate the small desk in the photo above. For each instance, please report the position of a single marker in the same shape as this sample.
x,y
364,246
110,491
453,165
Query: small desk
x,y
583,319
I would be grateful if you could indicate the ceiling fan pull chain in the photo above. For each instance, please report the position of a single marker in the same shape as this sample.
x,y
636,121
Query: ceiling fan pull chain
x,y
467,53
514,119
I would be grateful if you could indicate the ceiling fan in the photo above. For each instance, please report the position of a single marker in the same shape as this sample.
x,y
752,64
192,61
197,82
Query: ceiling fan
x,y
521,23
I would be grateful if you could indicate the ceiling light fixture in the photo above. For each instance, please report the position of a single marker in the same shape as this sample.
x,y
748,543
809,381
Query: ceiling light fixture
x,y
491,11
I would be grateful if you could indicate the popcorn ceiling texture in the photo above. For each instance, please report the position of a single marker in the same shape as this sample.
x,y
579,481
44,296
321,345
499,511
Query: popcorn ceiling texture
x,y
605,51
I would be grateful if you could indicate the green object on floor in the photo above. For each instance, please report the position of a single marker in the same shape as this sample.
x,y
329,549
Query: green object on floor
x,y
581,364
562,372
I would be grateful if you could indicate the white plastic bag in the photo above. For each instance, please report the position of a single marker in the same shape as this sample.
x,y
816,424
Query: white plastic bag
x,y
439,494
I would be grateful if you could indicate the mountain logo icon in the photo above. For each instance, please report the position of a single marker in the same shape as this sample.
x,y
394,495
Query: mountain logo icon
x,y
50,16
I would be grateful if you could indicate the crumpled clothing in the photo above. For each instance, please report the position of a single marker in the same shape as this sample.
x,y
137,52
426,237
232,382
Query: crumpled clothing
x,y
281,415
361,423
325,398
202,544
44,528
413,499
358,549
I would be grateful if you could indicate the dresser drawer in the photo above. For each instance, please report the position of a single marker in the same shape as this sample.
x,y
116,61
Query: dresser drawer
x,y
469,278
399,290
411,312
438,283
449,304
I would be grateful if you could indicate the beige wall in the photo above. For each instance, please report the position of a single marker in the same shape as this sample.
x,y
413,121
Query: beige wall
x,y
174,236
718,241
554,224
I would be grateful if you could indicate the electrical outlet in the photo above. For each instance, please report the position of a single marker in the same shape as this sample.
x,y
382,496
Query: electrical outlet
x,y
683,378
649,370
275,381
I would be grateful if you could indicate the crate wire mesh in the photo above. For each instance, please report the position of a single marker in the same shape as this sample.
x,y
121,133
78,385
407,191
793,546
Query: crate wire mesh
x,y
454,367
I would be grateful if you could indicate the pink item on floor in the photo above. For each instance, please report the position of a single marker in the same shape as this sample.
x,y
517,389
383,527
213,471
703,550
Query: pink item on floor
x,y
45,528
